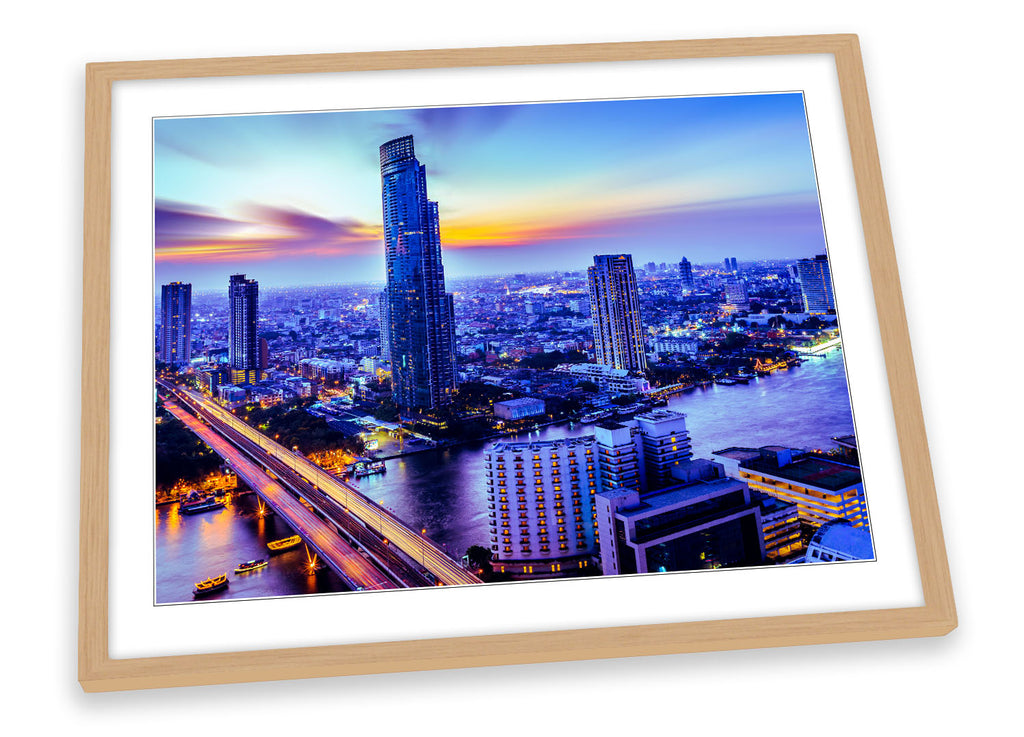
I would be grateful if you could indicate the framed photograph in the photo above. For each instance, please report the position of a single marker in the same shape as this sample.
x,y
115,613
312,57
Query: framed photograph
x,y
435,359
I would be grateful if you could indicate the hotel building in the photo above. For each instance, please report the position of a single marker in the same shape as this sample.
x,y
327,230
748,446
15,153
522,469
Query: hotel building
x,y
607,378
615,312
666,444
417,309
823,489
176,324
540,499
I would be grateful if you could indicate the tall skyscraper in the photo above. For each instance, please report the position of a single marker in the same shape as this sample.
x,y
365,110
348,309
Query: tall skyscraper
x,y
615,312
243,338
816,284
422,322
686,277
735,266
176,324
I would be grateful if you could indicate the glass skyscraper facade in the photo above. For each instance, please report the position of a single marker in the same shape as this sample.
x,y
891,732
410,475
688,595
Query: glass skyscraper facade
x,y
243,338
615,312
816,284
420,313
176,324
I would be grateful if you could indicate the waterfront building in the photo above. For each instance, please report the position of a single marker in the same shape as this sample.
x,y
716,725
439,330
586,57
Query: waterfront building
x,y
620,456
607,378
615,312
705,521
689,346
420,313
176,324
666,444
822,489
686,284
518,409
839,540
243,338
815,280
736,293
540,499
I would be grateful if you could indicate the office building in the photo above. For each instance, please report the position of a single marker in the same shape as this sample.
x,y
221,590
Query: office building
x,y
815,280
243,337
176,324
615,312
822,489
421,332
540,498
686,285
780,527
704,521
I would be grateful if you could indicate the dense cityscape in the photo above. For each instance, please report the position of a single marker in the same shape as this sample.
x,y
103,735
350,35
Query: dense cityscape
x,y
555,404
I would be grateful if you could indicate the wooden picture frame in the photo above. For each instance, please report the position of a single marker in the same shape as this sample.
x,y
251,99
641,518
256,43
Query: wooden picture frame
x,y
98,671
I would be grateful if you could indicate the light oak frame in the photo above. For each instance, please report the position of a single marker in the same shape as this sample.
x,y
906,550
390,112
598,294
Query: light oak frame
x,y
98,672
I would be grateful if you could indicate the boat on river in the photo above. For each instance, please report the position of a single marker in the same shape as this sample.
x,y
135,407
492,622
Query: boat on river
x,y
210,585
195,503
251,565
285,543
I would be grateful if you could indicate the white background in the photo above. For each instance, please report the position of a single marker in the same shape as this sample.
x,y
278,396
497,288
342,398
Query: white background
x,y
941,90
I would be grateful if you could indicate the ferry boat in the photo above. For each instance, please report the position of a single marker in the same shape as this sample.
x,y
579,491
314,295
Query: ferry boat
x,y
726,382
195,503
596,416
366,467
251,565
286,543
210,585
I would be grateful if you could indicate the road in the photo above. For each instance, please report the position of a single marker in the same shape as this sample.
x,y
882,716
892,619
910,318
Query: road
x,y
394,532
334,549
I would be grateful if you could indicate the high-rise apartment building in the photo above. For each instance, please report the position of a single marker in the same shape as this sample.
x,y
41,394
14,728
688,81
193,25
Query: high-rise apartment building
x,y
816,285
243,337
686,277
176,324
666,444
421,331
615,312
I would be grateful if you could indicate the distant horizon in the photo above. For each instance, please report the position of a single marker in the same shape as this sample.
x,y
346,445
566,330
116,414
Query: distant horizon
x,y
674,266
298,194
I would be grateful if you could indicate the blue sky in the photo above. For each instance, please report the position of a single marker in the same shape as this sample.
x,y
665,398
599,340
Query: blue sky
x,y
295,198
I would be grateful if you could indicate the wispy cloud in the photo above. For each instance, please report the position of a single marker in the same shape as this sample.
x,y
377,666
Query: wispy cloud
x,y
260,232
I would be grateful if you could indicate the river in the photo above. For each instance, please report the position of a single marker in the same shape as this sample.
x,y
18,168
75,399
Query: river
x,y
444,491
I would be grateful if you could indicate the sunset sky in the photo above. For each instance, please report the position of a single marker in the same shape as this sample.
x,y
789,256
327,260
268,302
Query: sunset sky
x,y
295,198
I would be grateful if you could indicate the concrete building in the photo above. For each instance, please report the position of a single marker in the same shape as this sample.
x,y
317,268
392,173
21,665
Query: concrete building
x,y
839,540
607,378
540,499
615,312
816,285
822,489
666,444
705,521
686,285
243,338
518,409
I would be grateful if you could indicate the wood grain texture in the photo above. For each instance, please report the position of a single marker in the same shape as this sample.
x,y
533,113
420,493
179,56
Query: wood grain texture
x,y
98,672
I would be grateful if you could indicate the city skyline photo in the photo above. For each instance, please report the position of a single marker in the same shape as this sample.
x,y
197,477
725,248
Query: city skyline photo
x,y
495,344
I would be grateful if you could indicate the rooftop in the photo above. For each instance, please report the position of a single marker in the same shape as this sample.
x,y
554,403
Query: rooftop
x,y
841,536
679,496
808,471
